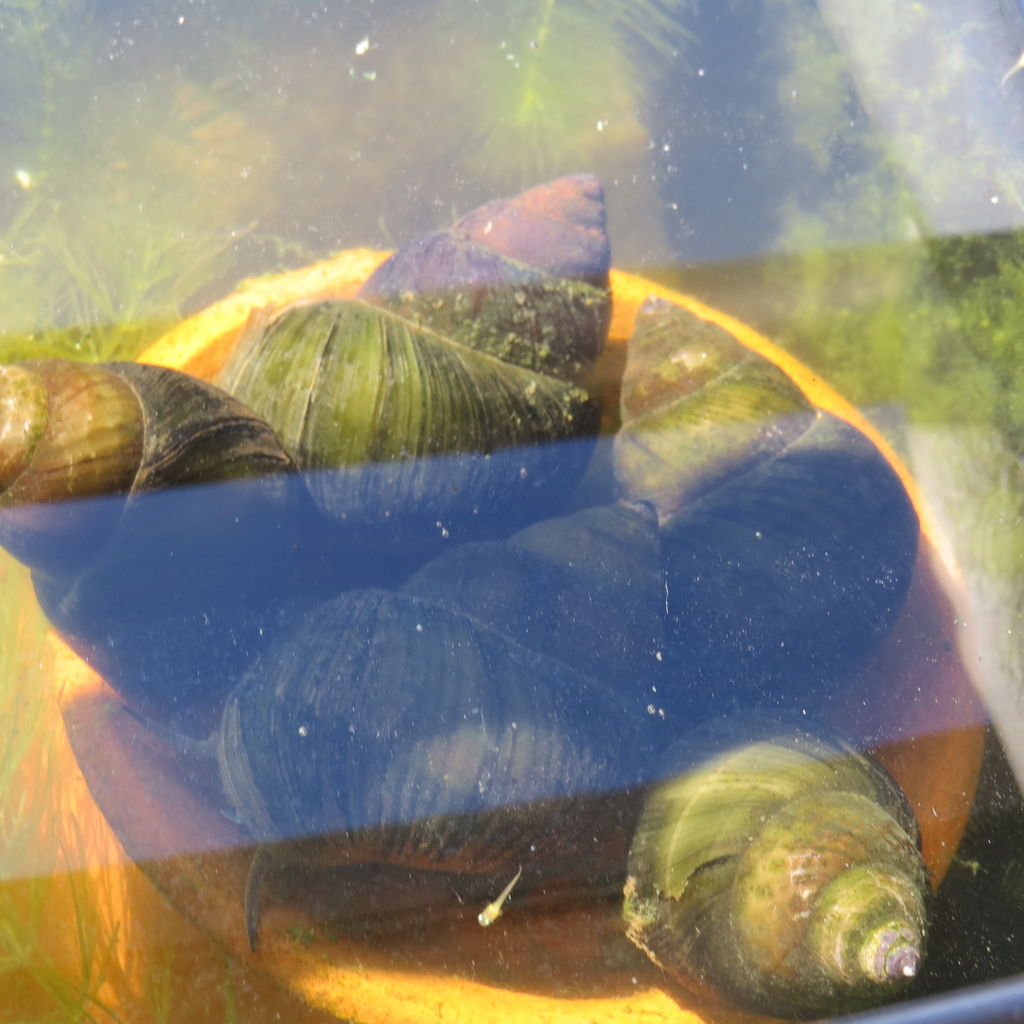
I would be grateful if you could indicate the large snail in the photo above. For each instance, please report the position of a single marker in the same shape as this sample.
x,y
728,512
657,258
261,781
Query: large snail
x,y
483,735
450,385
372,729
784,874
789,542
145,588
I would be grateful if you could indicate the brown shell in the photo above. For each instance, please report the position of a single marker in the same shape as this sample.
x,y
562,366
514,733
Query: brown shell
x,y
175,485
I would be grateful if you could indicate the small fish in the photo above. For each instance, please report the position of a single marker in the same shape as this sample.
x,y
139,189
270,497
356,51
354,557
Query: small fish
x,y
492,911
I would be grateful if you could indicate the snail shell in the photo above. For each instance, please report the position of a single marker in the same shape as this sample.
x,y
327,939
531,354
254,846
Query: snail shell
x,y
782,875
444,397
146,585
524,279
404,433
586,589
788,540
387,729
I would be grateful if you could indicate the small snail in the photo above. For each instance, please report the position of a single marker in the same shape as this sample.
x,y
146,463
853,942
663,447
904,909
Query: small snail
x,y
788,540
444,398
783,875
145,589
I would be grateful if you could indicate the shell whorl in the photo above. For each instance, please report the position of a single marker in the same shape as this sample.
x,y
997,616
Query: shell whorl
x,y
178,534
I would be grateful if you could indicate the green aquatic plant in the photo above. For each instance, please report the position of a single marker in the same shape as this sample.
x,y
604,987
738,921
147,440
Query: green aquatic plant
x,y
557,81
89,281
42,977
118,201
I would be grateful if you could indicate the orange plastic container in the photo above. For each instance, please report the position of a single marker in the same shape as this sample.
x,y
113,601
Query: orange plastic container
x,y
543,967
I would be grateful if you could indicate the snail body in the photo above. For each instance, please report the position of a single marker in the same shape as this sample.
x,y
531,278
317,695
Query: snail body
x,y
783,875
445,400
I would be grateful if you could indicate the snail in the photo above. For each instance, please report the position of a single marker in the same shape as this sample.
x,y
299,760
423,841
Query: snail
x,y
474,726
444,400
783,875
387,730
144,588
788,540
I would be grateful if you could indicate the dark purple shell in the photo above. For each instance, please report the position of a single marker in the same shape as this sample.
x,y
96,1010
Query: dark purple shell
x,y
525,279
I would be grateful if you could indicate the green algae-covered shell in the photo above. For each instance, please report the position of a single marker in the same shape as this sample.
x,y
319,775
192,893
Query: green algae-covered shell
x,y
783,875
397,424
788,540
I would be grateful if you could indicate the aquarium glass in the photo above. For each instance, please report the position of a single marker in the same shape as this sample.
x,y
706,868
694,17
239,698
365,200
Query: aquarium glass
x,y
514,642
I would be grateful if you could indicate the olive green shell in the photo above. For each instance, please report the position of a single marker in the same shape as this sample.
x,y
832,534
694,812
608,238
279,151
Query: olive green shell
x,y
788,540
444,401
783,875
400,427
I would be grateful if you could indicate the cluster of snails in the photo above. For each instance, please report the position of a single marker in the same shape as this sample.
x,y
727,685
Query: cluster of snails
x,y
411,651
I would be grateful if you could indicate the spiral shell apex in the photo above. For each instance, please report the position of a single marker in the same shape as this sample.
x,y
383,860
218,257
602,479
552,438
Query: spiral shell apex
x,y
783,875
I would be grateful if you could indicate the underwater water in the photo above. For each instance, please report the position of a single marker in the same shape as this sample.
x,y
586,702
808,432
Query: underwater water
x,y
845,180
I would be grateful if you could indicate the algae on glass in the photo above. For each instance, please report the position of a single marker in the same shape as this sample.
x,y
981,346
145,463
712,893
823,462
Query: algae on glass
x,y
906,279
